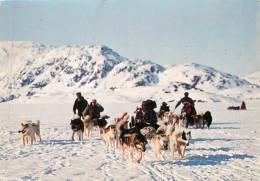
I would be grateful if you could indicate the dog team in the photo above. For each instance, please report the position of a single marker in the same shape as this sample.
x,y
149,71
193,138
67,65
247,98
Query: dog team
x,y
162,131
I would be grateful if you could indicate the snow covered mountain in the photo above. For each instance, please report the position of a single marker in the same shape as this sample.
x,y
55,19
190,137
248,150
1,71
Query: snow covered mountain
x,y
133,74
32,70
253,78
68,66
196,76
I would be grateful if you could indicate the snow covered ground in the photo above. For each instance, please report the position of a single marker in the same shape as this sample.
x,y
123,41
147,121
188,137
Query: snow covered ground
x,y
230,150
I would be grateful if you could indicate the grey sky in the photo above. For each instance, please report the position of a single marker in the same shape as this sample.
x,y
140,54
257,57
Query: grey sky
x,y
218,33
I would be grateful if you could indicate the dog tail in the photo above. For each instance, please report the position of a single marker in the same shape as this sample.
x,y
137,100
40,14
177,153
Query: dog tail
x,y
122,122
124,115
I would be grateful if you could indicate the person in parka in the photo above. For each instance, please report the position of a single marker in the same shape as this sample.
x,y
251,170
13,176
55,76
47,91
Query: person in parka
x,y
188,108
150,116
139,116
243,105
80,104
164,108
93,110
185,99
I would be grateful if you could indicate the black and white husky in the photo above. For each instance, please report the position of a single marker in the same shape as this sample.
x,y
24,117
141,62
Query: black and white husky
x,y
77,126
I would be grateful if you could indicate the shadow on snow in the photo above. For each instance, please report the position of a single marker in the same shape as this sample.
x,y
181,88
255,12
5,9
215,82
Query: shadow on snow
x,y
224,128
221,123
216,139
203,160
226,149
64,142
200,160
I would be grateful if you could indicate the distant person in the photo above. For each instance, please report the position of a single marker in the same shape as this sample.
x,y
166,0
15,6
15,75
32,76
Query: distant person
x,y
185,99
188,108
243,105
93,111
163,109
80,104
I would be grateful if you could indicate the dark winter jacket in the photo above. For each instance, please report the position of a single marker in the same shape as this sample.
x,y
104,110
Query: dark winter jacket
x,y
164,108
80,105
93,111
151,118
137,119
185,99
139,116
148,105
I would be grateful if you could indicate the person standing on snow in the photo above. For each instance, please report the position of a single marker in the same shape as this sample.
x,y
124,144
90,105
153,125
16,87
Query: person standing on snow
x,y
139,116
150,116
80,104
188,108
243,105
93,110
185,99
163,109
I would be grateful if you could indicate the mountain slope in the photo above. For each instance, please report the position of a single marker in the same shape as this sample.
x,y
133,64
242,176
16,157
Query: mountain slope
x,y
253,78
66,66
133,74
200,77
31,70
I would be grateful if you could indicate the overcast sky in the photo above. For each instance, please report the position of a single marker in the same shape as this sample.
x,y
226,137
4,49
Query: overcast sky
x,y
218,33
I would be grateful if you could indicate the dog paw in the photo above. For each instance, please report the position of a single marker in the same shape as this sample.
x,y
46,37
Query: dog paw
x,y
181,157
